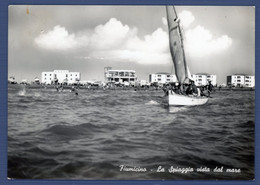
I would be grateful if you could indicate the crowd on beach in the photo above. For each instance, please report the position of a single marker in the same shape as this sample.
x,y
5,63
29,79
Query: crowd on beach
x,y
189,89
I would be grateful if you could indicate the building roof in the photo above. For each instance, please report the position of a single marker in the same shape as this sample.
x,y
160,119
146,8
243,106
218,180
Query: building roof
x,y
241,74
203,74
61,71
122,70
163,73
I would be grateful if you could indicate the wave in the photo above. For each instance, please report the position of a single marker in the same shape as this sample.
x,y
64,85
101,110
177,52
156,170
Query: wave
x,y
22,93
31,166
71,132
152,102
177,109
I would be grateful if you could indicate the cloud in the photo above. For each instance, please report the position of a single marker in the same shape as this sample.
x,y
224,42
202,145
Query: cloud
x,y
109,35
186,18
56,39
156,42
116,41
152,49
200,42
112,34
111,41
164,21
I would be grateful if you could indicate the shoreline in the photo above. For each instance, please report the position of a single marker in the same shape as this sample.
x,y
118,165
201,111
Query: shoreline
x,y
40,86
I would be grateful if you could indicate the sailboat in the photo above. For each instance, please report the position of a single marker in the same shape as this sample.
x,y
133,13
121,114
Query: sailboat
x,y
178,57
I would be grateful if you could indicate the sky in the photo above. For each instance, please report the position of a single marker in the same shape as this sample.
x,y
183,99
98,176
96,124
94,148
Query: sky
x,y
218,40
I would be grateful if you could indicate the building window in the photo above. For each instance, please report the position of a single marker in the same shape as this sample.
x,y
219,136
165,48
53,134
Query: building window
x,y
159,75
159,79
132,74
66,75
45,74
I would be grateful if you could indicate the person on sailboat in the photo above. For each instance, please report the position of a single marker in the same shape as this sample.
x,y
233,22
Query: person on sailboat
x,y
165,90
202,91
192,89
177,88
189,90
209,88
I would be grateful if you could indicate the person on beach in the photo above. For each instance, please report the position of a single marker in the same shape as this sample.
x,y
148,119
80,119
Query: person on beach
x,y
73,89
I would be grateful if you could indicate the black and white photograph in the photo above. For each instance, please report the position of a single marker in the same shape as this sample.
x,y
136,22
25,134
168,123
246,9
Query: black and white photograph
x,y
131,92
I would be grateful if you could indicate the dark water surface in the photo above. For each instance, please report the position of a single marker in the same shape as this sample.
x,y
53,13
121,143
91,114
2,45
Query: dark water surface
x,y
62,136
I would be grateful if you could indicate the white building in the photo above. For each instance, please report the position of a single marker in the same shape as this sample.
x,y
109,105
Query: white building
x,y
241,80
11,80
249,81
201,79
60,76
162,78
120,76
48,77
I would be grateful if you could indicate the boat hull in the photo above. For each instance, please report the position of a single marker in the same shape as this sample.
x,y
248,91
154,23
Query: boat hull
x,y
182,100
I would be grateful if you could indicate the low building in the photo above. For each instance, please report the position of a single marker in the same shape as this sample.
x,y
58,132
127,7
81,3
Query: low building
x,y
249,81
60,76
162,78
202,79
11,80
241,80
120,76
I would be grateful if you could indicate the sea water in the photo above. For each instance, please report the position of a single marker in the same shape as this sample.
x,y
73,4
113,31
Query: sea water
x,y
128,134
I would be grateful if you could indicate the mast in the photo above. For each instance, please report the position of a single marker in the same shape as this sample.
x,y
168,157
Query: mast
x,y
176,45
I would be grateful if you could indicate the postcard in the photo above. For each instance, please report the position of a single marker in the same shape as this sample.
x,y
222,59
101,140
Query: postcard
x,y
136,92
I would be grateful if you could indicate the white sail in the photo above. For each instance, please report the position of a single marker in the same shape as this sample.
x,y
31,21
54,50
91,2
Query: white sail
x,y
178,57
176,45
